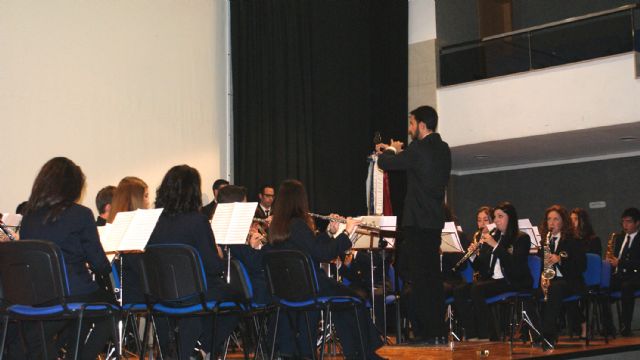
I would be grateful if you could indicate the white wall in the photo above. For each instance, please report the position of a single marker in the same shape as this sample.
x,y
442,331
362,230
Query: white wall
x,y
590,94
422,20
120,87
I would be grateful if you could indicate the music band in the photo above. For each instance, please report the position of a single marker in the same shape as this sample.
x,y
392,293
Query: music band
x,y
499,256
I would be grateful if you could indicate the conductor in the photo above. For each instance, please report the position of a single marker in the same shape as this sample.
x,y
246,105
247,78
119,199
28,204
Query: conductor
x,y
427,162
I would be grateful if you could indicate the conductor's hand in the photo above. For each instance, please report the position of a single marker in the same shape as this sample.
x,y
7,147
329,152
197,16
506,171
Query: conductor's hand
x,y
381,147
397,145
351,224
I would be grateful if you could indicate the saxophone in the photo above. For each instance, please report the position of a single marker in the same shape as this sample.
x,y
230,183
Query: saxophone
x,y
548,272
611,243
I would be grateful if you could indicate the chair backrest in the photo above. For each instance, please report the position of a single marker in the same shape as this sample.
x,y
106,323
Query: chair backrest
x,y
240,281
32,272
173,272
605,275
290,275
467,273
535,267
593,271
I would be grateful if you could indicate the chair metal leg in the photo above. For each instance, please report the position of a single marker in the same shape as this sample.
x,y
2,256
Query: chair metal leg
x,y
275,333
5,325
587,303
355,311
310,336
398,322
77,345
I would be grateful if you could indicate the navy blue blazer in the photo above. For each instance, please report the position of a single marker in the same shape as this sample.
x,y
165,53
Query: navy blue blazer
x,y
75,232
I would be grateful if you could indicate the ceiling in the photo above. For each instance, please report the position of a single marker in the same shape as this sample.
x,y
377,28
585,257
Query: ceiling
x,y
571,146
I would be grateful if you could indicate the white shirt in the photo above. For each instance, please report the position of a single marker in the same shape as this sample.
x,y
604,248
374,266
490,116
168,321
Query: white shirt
x,y
497,270
557,241
264,210
624,243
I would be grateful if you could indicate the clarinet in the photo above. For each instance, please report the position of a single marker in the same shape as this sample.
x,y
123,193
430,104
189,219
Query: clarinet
x,y
6,231
343,221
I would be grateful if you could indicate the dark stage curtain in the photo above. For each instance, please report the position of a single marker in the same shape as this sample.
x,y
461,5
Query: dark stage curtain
x,y
312,81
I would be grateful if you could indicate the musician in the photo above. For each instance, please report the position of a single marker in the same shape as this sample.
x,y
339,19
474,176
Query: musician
x,y
583,231
626,266
53,214
266,196
452,277
501,265
427,161
182,223
210,208
568,260
103,204
131,194
293,228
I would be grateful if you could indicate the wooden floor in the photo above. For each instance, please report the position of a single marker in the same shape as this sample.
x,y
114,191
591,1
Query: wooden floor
x,y
565,349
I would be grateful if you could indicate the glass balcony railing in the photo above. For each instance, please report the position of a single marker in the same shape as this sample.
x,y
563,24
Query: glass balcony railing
x,y
582,38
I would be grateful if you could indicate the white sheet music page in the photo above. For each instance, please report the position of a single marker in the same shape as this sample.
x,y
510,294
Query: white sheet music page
x,y
12,220
231,222
111,236
450,240
139,230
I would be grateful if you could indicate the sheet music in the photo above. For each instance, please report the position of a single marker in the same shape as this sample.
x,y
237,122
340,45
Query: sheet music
x,y
140,229
526,227
231,222
362,241
130,230
450,239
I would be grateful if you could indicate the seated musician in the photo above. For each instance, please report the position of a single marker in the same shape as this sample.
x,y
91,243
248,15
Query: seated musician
x,y
452,277
501,265
583,231
53,214
181,222
568,259
210,208
626,266
293,228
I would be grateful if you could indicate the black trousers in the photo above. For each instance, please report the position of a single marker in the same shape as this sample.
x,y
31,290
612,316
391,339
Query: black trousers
x,y
420,263
627,286
475,315
559,289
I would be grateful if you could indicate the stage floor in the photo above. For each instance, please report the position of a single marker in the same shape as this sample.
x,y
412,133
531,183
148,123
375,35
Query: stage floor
x,y
565,349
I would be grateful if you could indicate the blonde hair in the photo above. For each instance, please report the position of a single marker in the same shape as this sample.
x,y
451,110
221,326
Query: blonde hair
x,y
129,196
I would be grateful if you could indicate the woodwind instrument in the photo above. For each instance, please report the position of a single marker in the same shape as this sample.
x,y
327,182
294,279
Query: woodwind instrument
x,y
548,272
6,231
261,230
611,244
469,253
343,221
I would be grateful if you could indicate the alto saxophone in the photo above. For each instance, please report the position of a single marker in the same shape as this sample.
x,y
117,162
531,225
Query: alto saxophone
x,y
611,243
548,272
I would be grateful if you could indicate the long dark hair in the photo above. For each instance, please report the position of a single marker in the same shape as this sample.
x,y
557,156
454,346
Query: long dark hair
x,y
584,230
567,229
512,224
292,203
58,185
180,191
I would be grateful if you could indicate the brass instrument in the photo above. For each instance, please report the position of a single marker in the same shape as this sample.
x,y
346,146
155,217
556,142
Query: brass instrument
x,y
611,244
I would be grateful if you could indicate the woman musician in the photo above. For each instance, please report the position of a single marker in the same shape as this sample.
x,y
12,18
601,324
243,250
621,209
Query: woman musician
x,y
293,228
567,258
501,265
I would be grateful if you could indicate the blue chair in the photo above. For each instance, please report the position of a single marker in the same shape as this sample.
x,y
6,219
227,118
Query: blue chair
x,y
33,272
294,285
616,296
592,278
175,285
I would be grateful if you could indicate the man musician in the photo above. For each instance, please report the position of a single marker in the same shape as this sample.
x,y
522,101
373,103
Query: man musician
x,y
625,261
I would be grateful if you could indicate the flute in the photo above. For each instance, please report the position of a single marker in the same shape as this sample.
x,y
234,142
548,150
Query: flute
x,y
6,231
343,221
